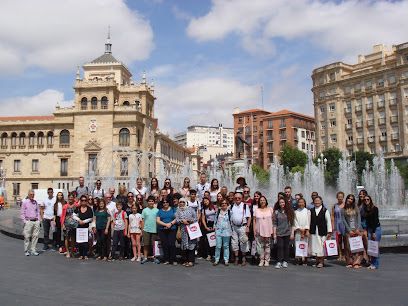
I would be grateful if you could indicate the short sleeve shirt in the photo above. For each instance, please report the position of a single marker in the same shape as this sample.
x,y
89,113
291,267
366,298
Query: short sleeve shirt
x,y
119,221
239,215
149,216
48,205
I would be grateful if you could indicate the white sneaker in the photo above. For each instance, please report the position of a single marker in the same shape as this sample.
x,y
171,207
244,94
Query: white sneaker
x,y
133,259
27,253
35,253
261,263
208,258
285,264
278,265
266,263
138,259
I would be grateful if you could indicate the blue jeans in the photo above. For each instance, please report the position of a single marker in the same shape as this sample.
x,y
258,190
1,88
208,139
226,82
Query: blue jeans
x,y
375,261
224,243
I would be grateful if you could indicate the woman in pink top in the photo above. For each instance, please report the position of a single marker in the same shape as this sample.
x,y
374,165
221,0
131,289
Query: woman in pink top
x,y
263,230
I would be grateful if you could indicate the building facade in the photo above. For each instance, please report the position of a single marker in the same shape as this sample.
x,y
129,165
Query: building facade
x,y
364,106
110,132
267,132
214,136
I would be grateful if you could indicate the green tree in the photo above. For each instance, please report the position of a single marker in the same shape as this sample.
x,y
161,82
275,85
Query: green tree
x,y
261,174
291,157
402,166
361,159
332,156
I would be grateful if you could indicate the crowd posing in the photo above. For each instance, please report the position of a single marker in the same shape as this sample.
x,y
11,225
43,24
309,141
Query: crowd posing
x,y
167,226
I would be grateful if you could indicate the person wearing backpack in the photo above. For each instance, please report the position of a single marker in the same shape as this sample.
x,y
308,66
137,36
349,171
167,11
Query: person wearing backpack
x,y
241,219
119,225
223,232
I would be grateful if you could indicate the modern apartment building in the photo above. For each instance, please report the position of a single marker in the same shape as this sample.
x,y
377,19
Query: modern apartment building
x,y
214,136
267,132
364,106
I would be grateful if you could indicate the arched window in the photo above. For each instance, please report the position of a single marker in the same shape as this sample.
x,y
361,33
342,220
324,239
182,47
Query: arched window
x,y
31,138
40,139
4,139
126,103
138,106
104,103
94,103
64,138
14,139
50,138
21,140
124,138
84,103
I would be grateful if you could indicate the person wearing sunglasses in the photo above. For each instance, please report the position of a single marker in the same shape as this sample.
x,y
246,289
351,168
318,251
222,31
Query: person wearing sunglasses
x,y
85,216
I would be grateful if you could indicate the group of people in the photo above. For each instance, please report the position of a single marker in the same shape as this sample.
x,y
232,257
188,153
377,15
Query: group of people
x,y
158,223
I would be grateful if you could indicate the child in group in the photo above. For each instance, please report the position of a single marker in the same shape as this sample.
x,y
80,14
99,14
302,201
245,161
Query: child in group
x,y
149,215
320,230
301,226
283,218
119,225
135,232
194,203
223,232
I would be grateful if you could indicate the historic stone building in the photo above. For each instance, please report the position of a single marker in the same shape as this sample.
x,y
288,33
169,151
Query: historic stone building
x,y
110,132
364,106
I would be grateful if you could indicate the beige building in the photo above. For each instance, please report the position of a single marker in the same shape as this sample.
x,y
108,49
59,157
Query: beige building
x,y
364,106
110,132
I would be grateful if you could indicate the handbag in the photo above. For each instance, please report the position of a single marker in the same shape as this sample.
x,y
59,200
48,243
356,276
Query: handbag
x,y
178,234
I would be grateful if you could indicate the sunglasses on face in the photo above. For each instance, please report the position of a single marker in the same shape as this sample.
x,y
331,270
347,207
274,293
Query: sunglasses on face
x,y
139,199
130,196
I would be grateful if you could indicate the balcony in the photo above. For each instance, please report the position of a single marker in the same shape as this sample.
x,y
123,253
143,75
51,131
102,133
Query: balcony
x,y
383,138
347,110
40,146
349,142
358,108
63,146
380,104
359,124
49,146
368,88
370,122
31,146
381,121
394,119
393,101
360,140
348,126
13,146
4,147
21,147
395,136
369,106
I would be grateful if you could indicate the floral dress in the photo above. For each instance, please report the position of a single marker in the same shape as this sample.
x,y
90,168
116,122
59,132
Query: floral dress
x,y
188,214
70,223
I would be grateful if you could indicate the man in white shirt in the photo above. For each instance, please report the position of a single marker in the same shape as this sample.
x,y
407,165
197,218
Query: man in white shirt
x,y
98,192
202,187
47,216
240,219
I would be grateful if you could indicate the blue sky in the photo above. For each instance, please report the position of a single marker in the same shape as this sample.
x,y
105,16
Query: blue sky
x,y
206,57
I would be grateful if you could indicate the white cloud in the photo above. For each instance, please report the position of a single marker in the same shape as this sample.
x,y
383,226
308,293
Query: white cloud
x,y
344,28
41,104
206,101
160,71
58,35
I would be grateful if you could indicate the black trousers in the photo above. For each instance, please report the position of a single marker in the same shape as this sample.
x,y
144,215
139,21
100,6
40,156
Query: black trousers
x,y
83,249
118,237
57,234
101,243
283,248
168,242
188,256
46,229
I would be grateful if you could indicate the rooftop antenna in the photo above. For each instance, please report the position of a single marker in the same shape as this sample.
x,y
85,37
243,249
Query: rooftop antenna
x,y
108,45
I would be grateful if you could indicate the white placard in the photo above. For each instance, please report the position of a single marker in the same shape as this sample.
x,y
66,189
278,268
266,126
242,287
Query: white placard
x,y
301,249
194,231
356,244
212,242
81,235
331,247
158,248
373,248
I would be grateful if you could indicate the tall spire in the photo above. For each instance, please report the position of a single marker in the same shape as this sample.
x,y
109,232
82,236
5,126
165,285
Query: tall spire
x,y
108,45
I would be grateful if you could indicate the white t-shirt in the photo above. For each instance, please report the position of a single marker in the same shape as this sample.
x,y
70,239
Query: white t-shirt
x,y
238,215
134,223
48,205
119,222
111,207
59,209
194,205
213,195
142,191
201,188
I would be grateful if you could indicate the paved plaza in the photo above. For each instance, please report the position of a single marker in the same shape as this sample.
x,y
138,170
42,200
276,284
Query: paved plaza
x,y
51,279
